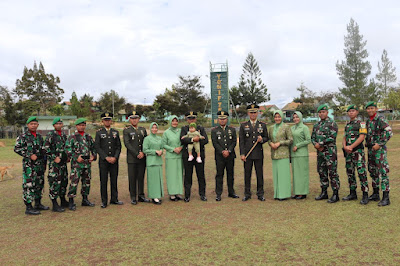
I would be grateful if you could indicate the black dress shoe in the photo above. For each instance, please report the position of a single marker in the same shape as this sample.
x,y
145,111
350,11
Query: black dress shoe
x,y
246,198
233,196
261,198
143,200
300,197
104,205
156,202
295,196
203,198
187,199
133,202
173,199
218,198
116,202
177,197
282,199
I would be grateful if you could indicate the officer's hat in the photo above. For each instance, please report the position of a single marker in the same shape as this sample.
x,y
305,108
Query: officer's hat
x,y
323,107
352,106
32,119
57,120
371,103
80,121
191,114
222,114
106,116
252,108
134,114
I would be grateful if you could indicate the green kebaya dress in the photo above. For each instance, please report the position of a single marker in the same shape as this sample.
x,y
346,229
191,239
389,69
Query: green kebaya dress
x,y
300,166
173,162
151,144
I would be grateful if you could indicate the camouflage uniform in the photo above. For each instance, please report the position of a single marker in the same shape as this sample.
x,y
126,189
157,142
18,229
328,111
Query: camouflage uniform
x,y
80,145
32,171
325,132
54,146
356,159
379,132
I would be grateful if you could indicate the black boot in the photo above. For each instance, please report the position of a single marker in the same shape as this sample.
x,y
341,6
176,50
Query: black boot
x,y
30,210
375,195
64,202
365,199
40,206
335,197
351,196
56,207
385,199
323,195
72,205
86,202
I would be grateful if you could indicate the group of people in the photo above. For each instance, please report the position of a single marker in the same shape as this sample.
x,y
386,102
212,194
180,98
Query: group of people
x,y
184,151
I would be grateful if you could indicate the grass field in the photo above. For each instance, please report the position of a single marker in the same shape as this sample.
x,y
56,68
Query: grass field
x,y
226,232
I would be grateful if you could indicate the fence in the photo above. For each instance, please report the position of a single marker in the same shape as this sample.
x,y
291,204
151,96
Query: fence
x,y
10,132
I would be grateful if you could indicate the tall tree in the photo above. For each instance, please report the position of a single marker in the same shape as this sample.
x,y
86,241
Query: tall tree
x,y
355,69
75,105
40,87
106,102
386,76
251,87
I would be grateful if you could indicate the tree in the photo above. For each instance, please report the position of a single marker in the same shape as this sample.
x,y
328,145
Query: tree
x,y
57,110
106,102
386,75
184,95
392,99
39,87
75,105
251,88
355,69
235,96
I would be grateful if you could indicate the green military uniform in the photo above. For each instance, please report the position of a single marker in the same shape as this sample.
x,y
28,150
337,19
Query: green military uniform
x,y
324,133
224,139
379,132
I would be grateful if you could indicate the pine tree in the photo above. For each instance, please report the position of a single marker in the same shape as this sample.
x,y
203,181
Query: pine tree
x,y
386,75
355,69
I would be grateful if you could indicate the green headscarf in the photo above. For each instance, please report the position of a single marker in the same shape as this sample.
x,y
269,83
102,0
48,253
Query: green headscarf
x,y
300,115
277,126
170,123
151,125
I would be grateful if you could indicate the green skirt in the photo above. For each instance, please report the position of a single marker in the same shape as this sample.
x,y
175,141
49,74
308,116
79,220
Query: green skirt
x,y
155,189
174,175
281,177
301,175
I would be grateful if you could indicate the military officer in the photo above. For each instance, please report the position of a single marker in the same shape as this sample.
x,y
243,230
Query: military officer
x,y
30,146
108,147
191,117
133,140
379,133
353,149
323,138
253,133
54,147
80,148
224,141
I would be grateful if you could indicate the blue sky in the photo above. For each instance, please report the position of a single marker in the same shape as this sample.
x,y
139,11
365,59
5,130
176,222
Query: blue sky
x,y
139,48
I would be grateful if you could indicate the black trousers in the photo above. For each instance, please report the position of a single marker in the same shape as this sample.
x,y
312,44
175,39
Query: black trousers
x,y
136,179
248,168
188,176
223,164
105,169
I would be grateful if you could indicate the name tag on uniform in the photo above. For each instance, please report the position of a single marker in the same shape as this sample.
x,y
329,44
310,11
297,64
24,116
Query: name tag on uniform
x,y
218,132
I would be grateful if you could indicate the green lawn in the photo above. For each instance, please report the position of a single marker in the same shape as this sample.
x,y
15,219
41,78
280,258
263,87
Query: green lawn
x,y
226,232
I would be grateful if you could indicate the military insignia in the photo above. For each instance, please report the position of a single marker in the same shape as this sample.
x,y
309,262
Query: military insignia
x,y
247,134
362,125
103,136
252,106
222,113
230,137
107,115
133,112
260,130
114,134
219,137
246,126
191,113
218,132
142,132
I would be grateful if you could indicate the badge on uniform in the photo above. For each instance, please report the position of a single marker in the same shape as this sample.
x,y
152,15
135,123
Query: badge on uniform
x,y
103,136
363,128
114,135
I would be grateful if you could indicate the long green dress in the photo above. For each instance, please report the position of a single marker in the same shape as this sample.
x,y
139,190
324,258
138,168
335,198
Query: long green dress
x,y
173,162
280,158
300,166
151,144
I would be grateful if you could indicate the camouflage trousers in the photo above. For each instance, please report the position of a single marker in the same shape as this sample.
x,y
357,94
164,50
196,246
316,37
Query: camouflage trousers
x,y
378,168
58,179
83,174
32,179
327,167
354,160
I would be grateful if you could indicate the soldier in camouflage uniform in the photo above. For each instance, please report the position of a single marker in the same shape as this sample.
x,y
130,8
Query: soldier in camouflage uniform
x,y
379,133
323,138
54,146
353,150
80,148
30,146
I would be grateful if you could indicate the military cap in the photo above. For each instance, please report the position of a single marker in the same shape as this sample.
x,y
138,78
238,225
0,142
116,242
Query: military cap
x,y
80,121
191,114
323,107
252,108
371,103
134,114
32,119
106,115
222,114
56,120
352,106
192,125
